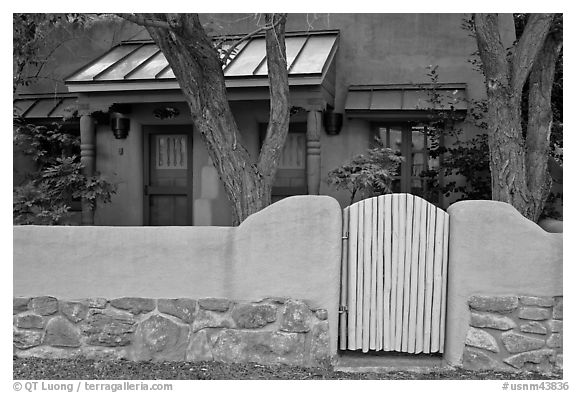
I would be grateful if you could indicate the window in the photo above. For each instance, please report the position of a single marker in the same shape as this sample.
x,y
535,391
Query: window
x,y
412,141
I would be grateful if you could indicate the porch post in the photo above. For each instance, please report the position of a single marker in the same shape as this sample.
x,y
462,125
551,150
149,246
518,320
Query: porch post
x,y
88,160
314,124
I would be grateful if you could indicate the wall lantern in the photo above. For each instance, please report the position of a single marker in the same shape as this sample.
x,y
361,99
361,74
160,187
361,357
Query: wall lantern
x,y
120,125
332,122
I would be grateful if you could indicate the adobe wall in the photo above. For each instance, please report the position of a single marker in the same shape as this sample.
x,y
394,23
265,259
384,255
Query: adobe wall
x,y
288,250
504,275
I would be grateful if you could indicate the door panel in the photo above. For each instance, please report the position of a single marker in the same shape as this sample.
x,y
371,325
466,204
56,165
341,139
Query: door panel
x,y
412,142
168,176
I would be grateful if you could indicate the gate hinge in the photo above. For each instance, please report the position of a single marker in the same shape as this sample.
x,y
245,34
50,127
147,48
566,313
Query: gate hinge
x,y
345,237
342,309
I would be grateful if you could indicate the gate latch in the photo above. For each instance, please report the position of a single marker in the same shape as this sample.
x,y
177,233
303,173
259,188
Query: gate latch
x,y
342,309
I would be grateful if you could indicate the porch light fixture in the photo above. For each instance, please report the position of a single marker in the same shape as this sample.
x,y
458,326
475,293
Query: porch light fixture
x,y
332,122
120,125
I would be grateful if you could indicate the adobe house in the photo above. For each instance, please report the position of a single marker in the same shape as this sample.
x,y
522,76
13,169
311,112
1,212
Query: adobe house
x,y
352,77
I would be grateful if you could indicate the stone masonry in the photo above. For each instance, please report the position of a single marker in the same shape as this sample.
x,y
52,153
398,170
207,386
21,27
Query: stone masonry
x,y
514,333
270,331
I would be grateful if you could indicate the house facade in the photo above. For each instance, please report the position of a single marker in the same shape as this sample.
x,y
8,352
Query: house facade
x,y
352,77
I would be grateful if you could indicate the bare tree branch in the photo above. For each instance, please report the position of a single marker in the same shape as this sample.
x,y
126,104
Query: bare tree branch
x,y
525,51
228,53
142,21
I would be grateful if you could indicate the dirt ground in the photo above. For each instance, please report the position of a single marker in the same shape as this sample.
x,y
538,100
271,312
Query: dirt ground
x,y
83,369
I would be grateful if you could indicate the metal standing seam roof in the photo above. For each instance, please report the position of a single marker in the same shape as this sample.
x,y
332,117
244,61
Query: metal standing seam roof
x,y
44,107
308,54
406,97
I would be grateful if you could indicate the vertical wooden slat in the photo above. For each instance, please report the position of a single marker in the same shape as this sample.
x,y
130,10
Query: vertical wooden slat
x,y
366,298
407,270
444,280
344,280
380,274
387,272
414,275
437,285
421,279
394,261
352,270
360,276
431,226
400,262
373,274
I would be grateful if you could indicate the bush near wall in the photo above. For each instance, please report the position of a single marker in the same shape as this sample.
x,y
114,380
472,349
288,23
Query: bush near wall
x,y
273,330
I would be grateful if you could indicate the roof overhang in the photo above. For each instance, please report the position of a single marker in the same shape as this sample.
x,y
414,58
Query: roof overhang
x,y
406,101
47,107
140,66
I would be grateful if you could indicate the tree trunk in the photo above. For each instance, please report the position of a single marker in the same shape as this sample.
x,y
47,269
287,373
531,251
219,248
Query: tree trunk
x,y
197,68
540,123
505,77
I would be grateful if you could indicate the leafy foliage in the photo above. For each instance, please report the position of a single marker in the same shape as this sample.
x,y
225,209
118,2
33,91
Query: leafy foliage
x,y
370,174
31,33
47,195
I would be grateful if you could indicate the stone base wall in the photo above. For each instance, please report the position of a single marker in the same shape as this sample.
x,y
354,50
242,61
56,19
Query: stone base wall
x,y
514,333
270,331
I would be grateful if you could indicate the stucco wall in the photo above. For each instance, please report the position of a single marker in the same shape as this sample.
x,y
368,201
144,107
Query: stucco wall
x,y
290,249
494,250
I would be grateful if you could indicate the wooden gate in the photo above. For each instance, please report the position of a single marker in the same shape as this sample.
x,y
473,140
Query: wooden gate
x,y
394,264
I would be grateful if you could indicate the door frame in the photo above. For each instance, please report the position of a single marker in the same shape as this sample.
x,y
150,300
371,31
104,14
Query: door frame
x,y
406,151
147,132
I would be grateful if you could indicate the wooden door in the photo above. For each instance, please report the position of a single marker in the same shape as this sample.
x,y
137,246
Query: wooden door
x,y
168,176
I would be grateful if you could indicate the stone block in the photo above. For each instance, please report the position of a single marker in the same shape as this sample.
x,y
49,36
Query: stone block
x,y
476,359
24,339
251,316
135,305
533,327
20,304
557,311
501,304
322,314
534,357
97,302
158,338
540,301
44,305
61,333
493,321
481,339
296,317
554,341
263,347
211,319
199,349
74,311
179,308
515,342
45,352
109,328
320,344
215,304
534,313
555,326
30,321
559,361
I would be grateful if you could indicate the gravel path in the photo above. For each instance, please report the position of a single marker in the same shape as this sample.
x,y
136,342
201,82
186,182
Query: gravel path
x,y
38,369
